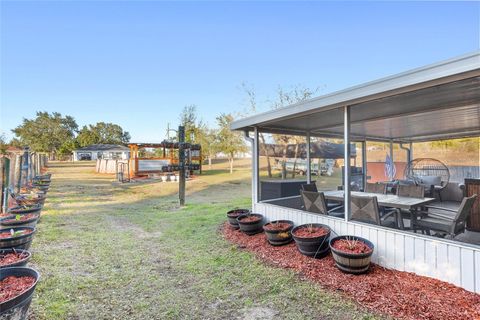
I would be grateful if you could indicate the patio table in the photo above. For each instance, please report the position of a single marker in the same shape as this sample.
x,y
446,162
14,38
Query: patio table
x,y
385,200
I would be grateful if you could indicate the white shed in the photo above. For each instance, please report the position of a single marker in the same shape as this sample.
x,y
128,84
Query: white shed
x,y
101,151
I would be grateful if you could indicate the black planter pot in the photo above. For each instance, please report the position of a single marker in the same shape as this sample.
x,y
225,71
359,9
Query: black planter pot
x,y
232,216
355,263
316,247
20,263
25,209
11,222
20,242
17,307
252,227
279,237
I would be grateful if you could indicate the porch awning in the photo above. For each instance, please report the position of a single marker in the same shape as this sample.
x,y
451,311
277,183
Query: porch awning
x,y
435,102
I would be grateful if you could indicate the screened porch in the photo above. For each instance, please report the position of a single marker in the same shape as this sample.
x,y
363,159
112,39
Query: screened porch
x,y
363,161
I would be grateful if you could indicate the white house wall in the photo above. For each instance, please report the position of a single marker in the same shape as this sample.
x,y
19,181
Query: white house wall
x,y
444,260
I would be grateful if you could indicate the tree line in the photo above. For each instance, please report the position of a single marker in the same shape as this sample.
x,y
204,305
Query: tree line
x,y
59,135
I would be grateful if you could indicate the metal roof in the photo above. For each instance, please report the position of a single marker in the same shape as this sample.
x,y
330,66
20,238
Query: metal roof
x,y
438,101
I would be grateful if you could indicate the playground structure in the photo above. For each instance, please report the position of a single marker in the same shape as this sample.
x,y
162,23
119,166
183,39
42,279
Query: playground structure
x,y
162,160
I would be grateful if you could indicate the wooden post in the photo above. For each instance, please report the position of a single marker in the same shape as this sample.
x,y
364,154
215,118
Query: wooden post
x,y
18,171
181,164
3,177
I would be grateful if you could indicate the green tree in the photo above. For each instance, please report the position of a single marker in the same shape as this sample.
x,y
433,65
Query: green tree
x,y
285,98
102,133
46,132
206,137
188,119
228,142
3,144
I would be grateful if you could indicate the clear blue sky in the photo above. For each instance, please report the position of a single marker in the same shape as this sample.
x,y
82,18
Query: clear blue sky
x,y
139,63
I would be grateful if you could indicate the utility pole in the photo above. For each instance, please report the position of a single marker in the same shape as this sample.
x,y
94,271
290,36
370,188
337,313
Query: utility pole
x,y
181,164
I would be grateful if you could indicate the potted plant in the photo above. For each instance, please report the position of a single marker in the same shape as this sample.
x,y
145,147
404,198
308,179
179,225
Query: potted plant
x,y
312,239
33,208
279,232
18,238
20,220
232,216
14,258
30,198
17,286
352,254
250,223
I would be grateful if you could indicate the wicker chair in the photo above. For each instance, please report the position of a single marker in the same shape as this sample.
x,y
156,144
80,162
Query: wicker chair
x,y
380,188
446,222
365,209
315,202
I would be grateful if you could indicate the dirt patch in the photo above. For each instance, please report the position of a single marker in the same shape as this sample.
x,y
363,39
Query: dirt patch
x,y
258,313
120,224
399,294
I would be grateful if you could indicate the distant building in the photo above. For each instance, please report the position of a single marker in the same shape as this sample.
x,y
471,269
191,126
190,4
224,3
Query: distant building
x,y
101,151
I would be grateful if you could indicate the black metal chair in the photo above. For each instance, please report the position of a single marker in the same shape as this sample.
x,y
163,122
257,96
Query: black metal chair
x,y
444,221
365,209
315,202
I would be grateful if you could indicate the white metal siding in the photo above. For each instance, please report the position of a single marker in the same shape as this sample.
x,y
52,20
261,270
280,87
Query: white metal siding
x,y
444,260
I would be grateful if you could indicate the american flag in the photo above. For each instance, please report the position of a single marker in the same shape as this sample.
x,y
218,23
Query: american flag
x,y
390,169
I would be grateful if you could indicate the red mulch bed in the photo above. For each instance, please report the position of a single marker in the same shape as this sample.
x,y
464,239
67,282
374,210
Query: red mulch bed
x,y
12,286
399,294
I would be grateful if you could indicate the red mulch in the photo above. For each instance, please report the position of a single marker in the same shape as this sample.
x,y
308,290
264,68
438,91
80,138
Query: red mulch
x,y
280,226
250,219
399,294
11,258
351,246
8,234
12,286
310,232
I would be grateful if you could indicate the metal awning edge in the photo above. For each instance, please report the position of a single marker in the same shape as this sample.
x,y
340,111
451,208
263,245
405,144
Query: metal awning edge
x,y
454,69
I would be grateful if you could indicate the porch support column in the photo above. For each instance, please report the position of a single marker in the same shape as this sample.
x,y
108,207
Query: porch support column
x,y
410,158
364,163
309,160
347,153
256,169
391,150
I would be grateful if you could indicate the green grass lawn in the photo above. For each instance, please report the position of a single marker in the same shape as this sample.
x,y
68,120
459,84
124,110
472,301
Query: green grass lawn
x,y
127,251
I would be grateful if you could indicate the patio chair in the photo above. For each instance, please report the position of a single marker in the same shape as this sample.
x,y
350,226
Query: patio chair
x,y
365,209
444,221
315,202
312,187
376,188
411,191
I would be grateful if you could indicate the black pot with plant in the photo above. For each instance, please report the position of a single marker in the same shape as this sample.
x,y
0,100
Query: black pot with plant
x,y
18,237
312,239
232,216
278,232
19,284
352,254
14,258
25,209
250,223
